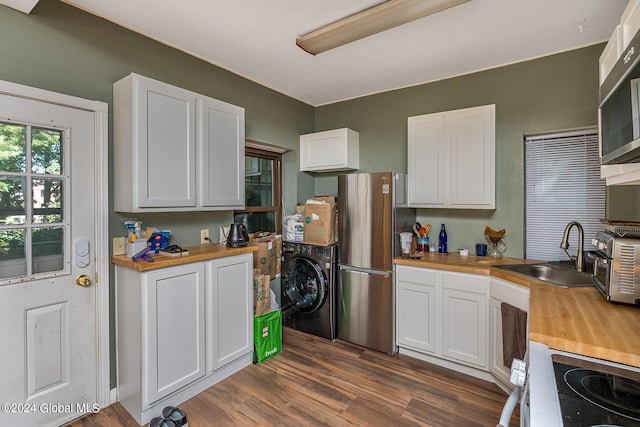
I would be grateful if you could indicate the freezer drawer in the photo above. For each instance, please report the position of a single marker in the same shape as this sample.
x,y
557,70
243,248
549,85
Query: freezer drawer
x,y
367,309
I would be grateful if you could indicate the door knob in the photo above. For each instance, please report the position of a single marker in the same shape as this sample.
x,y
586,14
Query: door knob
x,y
83,280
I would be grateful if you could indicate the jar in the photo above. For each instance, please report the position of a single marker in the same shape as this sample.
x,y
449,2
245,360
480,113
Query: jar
x,y
423,244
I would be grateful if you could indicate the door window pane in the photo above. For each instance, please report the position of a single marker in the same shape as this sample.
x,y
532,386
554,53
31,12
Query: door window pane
x,y
47,249
47,200
12,255
46,151
13,155
12,208
32,205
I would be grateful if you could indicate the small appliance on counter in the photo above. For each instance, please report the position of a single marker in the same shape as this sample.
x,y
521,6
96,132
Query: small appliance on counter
x,y
616,261
238,236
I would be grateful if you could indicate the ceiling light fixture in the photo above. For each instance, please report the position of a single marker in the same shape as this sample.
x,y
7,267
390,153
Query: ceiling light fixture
x,y
371,21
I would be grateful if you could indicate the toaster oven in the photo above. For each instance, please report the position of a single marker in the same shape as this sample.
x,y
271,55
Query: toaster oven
x,y
616,266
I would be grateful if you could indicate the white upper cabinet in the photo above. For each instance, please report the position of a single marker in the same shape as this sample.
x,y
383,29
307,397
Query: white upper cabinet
x,y
221,136
611,53
628,173
159,132
451,159
624,174
331,150
630,22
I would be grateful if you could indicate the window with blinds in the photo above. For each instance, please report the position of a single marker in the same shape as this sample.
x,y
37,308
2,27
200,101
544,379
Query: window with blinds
x,y
562,184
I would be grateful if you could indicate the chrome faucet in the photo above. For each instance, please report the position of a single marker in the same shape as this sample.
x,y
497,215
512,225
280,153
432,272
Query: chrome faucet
x,y
565,243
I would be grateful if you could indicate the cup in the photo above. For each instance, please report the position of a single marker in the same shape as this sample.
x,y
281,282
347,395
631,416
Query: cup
x,y
423,244
481,249
405,244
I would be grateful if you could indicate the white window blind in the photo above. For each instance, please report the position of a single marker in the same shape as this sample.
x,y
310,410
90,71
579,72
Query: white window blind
x,y
562,181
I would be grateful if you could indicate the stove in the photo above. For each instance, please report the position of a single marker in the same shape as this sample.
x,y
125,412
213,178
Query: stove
x,y
592,393
568,390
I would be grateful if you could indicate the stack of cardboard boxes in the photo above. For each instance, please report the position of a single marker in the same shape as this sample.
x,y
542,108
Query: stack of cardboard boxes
x,y
267,323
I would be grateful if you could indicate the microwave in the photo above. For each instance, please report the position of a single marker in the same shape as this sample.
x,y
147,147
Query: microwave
x,y
619,110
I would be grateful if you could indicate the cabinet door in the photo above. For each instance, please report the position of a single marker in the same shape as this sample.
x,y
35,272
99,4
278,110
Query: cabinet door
x,y
518,296
496,364
229,310
416,311
417,316
464,318
425,166
221,140
164,144
331,150
630,22
470,157
174,329
611,53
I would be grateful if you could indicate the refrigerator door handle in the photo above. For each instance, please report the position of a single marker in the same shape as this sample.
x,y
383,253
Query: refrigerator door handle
x,y
361,270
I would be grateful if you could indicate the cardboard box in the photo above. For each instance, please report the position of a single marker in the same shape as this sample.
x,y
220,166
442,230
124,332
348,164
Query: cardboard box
x,y
261,293
320,221
267,258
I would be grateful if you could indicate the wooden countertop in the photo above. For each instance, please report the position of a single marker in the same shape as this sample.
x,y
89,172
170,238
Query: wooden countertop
x,y
196,253
580,320
576,320
464,264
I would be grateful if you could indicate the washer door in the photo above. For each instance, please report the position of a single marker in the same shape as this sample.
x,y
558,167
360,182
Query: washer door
x,y
305,284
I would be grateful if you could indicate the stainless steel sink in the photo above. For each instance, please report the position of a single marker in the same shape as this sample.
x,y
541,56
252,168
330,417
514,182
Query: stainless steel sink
x,y
550,273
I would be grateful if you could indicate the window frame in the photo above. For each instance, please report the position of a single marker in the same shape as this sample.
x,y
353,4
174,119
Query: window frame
x,y
276,157
549,228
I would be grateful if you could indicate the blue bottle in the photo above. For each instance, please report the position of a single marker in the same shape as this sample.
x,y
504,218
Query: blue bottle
x,y
442,248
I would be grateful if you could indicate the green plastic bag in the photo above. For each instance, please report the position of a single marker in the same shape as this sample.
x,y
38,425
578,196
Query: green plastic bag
x,y
267,336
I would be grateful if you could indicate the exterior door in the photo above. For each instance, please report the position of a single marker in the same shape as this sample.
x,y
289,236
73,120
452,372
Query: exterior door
x,y
48,188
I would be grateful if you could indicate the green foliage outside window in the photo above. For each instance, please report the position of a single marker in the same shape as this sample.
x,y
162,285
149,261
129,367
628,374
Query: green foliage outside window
x,y
45,157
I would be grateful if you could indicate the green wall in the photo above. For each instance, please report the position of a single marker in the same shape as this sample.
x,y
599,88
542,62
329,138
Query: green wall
x,y
62,49
548,94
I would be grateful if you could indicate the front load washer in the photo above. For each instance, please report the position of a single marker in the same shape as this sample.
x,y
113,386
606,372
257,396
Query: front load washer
x,y
309,288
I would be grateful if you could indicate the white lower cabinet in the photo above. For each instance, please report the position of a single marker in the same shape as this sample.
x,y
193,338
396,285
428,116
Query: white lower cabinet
x,y
464,318
180,330
518,296
229,310
173,342
416,299
443,315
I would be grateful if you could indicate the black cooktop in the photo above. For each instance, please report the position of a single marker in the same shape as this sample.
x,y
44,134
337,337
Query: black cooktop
x,y
597,395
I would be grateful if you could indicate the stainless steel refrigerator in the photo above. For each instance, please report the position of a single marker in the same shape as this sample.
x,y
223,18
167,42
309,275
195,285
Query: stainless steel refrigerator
x,y
371,212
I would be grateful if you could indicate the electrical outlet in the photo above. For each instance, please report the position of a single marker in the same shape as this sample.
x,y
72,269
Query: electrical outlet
x,y
204,235
119,246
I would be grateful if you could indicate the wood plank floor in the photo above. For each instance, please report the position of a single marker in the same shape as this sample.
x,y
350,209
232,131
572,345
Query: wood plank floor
x,y
318,382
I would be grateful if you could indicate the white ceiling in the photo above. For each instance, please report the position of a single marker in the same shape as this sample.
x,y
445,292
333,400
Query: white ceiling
x,y
256,39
